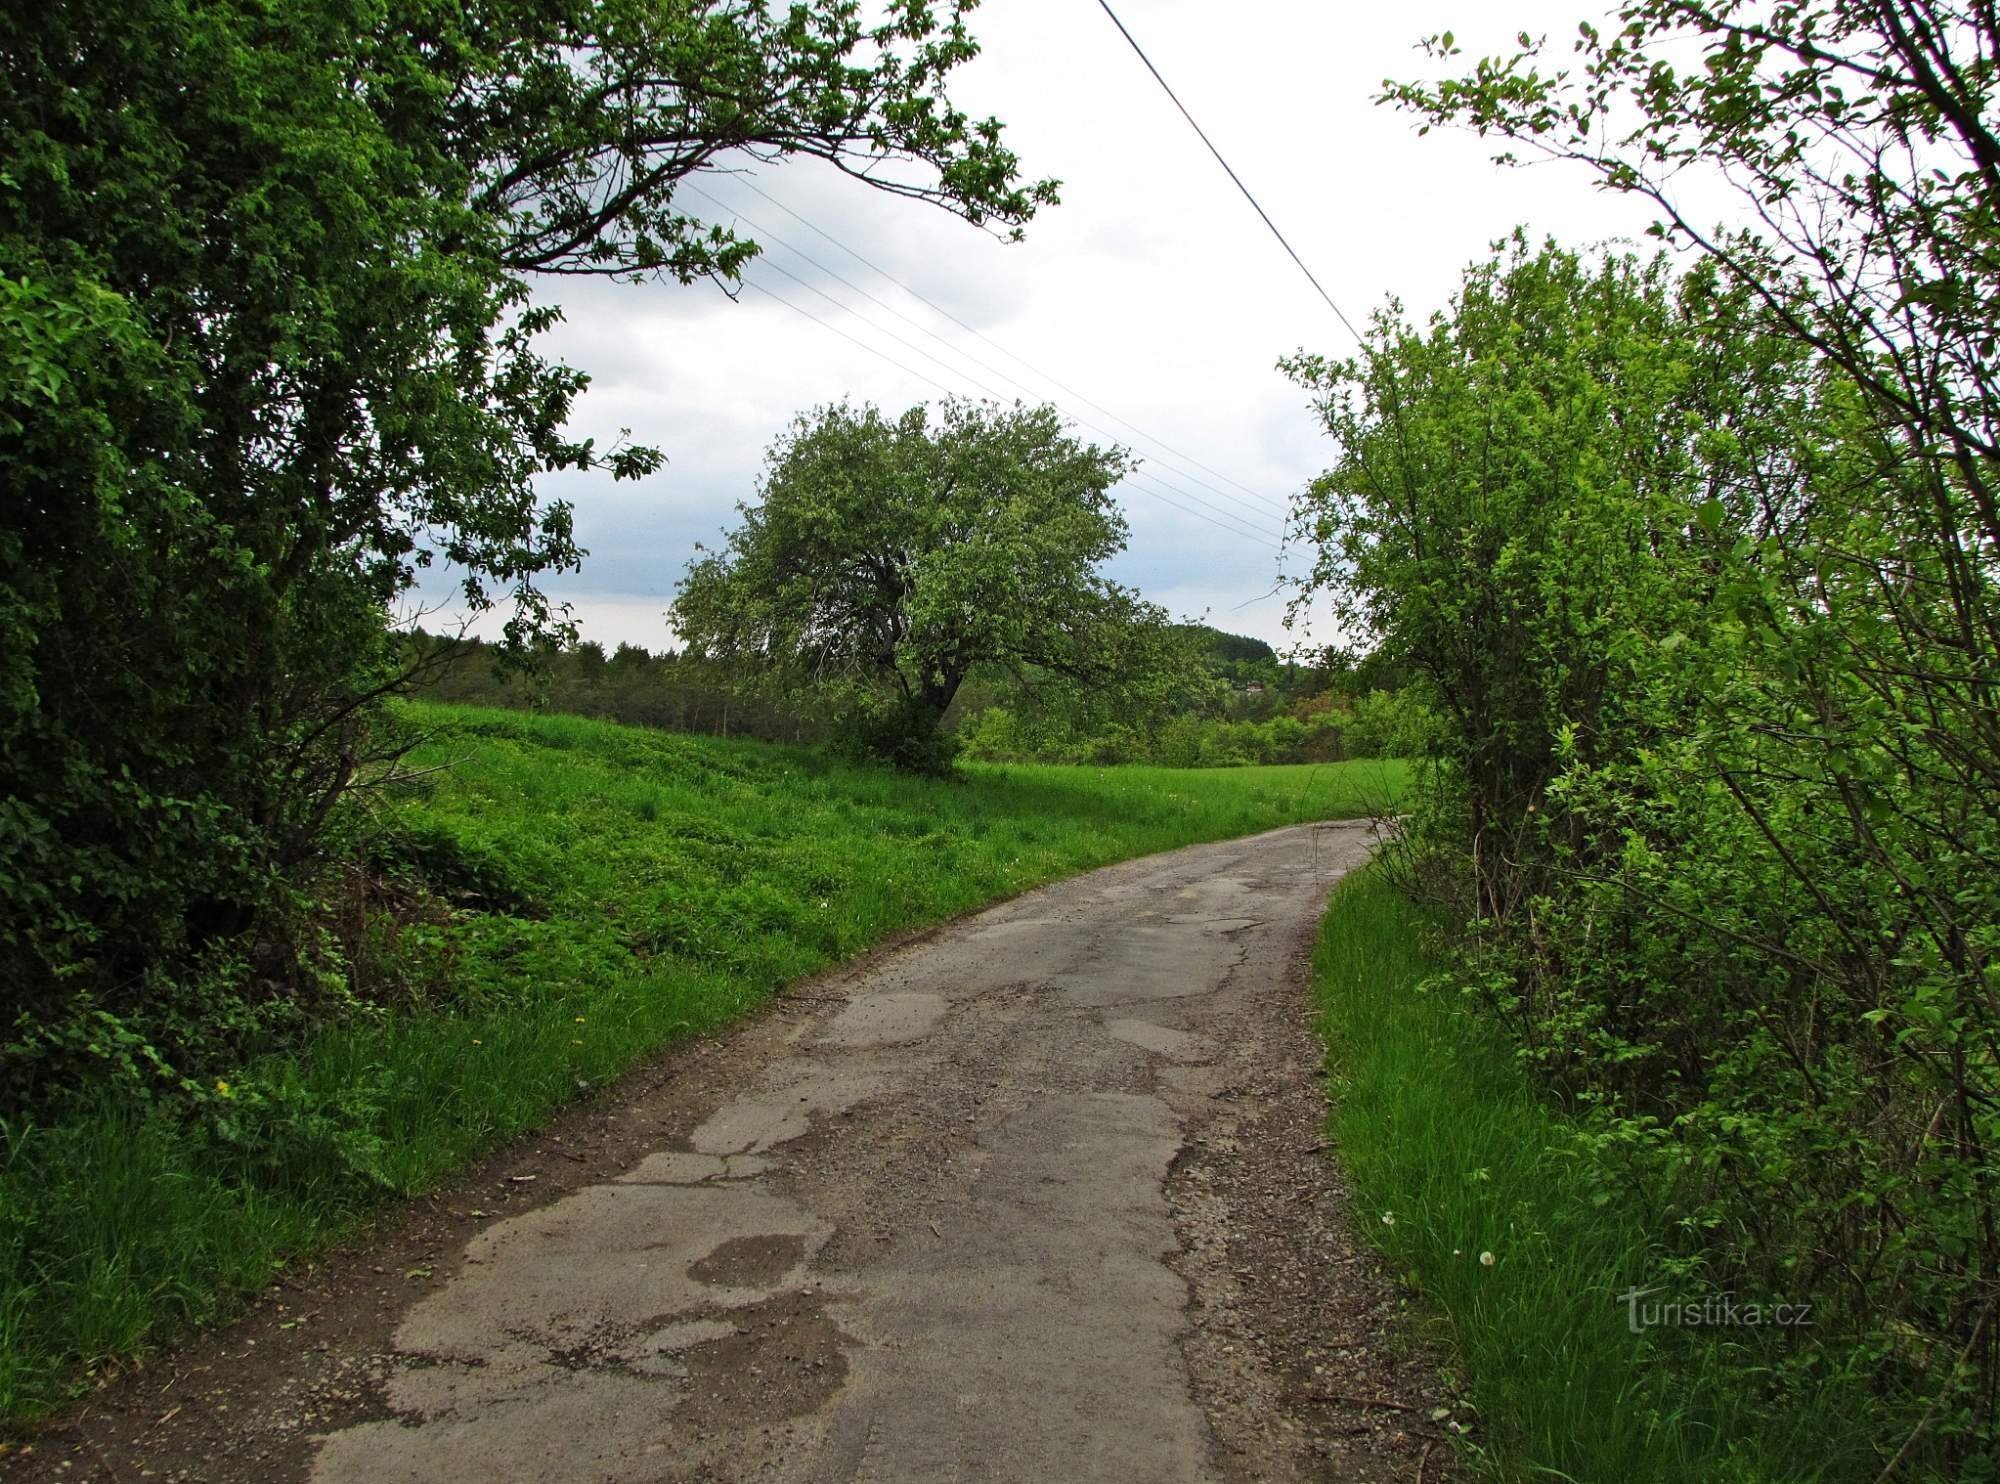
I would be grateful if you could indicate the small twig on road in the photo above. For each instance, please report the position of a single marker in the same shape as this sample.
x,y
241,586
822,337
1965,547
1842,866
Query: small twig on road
x,y
110,1469
1424,1462
1359,1401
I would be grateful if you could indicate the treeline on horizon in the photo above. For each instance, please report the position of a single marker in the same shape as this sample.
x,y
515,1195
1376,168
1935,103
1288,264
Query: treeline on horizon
x,y
1256,708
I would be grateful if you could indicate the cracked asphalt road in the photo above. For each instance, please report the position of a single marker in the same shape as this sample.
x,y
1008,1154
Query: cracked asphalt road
x,y
994,1205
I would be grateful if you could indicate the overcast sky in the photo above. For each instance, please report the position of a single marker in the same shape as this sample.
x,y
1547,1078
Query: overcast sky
x,y
1153,289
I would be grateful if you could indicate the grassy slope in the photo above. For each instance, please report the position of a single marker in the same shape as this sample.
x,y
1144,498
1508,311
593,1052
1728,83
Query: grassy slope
x,y
1438,1128
661,884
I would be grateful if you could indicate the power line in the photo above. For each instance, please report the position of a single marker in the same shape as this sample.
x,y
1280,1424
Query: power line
x,y
751,283
950,369
766,236
1105,4
1263,532
1276,506
933,381
1252,524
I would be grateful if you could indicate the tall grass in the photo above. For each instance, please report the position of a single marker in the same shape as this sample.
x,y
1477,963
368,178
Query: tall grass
x,y
635,888
1479,1193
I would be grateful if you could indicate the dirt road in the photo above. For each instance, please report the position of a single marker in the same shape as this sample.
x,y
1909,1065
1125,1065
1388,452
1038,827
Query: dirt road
x,y
1040,1197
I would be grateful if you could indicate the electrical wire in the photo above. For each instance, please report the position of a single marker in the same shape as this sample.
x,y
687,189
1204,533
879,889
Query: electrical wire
x,y
1255,519
766,236
1262,531
770,293
1230,172
1277,506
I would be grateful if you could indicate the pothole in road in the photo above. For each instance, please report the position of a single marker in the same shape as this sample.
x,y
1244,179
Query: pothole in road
x,y
786,1358
749,1262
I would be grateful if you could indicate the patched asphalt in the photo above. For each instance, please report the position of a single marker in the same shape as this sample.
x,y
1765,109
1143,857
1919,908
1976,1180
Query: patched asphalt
x,y
1045,1194
1017,1319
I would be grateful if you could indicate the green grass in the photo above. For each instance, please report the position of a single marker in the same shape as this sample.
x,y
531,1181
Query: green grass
x,y
656,887
1451,1155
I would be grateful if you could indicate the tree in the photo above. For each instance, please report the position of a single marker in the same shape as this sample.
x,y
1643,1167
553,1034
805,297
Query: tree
x,y
268,349
1860,140
1512,484
884,560
1845,756
1225,649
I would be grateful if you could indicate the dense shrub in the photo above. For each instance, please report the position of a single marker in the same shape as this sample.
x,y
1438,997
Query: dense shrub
x,y
1378,724
673,692
1741,900
904,733
1714,813
267,349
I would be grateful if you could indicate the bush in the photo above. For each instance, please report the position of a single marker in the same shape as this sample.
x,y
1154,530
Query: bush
x,y
906,734
1709,809
1387,724
1381,725
266,352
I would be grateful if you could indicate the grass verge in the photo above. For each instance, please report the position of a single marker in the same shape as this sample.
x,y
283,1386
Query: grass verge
x,y
618,890
1483,1197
